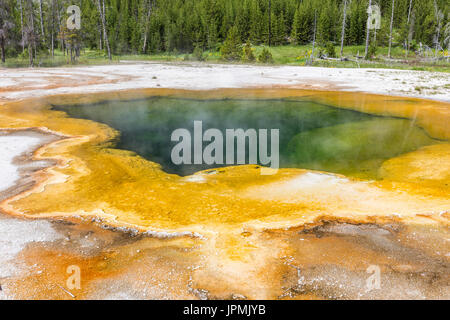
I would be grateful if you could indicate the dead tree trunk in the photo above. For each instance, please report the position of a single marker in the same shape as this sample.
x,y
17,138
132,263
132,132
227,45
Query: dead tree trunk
x,y
390,32
147,19
100,35
60,29
409,9
409,28
104,31
101,10
30,54
367,35
21,25
439,17
314,36
270,22
31,36
52,45
2,46
41,16
343,28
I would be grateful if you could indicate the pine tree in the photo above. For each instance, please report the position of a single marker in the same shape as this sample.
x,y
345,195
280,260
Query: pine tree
x,y
247,52
231,48
303,22
326,25
211,21
279,29
357,23
256,23
425,22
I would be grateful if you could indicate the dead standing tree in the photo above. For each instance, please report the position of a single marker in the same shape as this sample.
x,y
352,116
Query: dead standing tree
x,y
314,36
390,29
439,18
61,26
102,13
52,37
147,20
100,34
21,25
30,36
343,28
410,29
447,38
41,17
366,54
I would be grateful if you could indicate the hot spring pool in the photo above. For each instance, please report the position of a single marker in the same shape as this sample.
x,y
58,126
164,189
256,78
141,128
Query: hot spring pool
x,y
311,135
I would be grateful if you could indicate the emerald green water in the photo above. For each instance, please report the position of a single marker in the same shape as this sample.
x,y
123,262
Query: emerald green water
x,y
312,135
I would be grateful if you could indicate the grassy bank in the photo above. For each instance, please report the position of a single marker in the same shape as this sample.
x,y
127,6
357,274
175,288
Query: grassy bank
x,y
282,55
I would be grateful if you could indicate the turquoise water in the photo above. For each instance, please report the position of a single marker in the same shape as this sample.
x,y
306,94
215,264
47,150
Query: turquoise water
x,y
312,135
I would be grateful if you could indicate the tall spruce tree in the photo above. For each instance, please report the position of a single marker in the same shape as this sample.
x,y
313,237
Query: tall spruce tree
x,y
303,22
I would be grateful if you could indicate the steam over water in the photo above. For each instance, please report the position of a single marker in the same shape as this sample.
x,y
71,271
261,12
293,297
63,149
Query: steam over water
x,y
312,135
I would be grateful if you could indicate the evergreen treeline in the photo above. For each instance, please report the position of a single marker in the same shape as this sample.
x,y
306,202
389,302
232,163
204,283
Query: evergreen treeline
x,y
151,26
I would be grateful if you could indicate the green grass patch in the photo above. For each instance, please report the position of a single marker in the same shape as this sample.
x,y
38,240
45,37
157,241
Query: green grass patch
x,y
282,55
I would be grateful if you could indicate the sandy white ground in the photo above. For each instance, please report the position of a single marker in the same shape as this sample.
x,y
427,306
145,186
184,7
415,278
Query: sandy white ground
x,y
22,83
16,234
12,146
